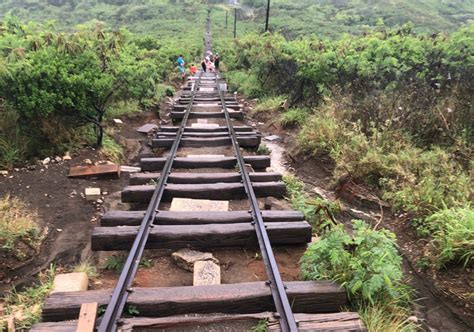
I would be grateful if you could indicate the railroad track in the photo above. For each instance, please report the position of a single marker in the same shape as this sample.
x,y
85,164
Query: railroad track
x,y
288,306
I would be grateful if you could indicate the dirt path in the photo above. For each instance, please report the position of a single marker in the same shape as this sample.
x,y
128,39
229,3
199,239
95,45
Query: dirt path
x,y
65,216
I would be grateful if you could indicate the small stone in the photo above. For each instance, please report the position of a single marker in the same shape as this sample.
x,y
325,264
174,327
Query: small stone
x,y
99,201
413,319
31,167
16,169
92,194
27,187
105,193
46,161
118,121
67,157
88,161
58,159
272,203
4,173
59,229
185,258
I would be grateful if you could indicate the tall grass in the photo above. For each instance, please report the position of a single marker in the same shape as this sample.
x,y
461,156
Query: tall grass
x,y
17,226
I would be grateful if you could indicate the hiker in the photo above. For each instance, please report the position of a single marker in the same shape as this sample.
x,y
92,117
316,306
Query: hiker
x,y
217,59
193,69
203,65
181,63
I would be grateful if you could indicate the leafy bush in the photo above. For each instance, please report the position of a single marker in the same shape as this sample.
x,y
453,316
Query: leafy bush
x,y
317,211
294,117
367,264
452,232
18,227
244,82
263,150
111,149
269,104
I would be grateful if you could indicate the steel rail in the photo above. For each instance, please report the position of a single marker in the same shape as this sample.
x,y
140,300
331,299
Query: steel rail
x,y
123,288
280,298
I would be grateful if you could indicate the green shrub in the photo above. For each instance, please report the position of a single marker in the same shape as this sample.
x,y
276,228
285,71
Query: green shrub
x,y
269,104
111,149
452,232
367,264
317,211
294,117
263,150
245,83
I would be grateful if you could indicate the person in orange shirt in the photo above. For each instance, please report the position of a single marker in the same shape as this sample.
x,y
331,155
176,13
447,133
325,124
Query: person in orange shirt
x,y
193,69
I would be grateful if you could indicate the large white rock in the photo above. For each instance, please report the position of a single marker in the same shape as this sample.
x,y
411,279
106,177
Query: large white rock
x,y
206,273
185,258
70,282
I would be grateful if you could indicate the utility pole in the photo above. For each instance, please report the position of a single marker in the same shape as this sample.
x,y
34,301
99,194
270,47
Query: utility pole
x,y
268,15
226,14
235,23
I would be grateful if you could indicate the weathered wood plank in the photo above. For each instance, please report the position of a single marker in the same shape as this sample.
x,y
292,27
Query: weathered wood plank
x,y
340,321
207,115
242,298
134,218
145,178
156,164
219,129
195,142
112,170
199,236
166,134
217,191
87,317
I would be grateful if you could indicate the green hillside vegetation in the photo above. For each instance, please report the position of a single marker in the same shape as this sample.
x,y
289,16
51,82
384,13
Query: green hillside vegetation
x,y
67,83
332,18
175,18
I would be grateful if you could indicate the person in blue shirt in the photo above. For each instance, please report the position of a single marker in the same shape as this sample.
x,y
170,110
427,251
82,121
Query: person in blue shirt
x,y
181,64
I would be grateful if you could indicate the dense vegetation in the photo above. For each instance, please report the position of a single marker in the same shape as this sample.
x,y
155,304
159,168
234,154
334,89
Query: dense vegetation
x,y
66,83
393,109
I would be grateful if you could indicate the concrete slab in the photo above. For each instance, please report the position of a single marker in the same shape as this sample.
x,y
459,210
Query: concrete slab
x,y
205,126
206,89
205,156
92,194
206,273
187,204
145,129
70,282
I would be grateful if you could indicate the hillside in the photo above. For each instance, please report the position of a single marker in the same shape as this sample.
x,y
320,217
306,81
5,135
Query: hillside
x,y
328,18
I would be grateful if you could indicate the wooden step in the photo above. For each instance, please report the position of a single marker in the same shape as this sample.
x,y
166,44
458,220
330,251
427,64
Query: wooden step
x,y
156,164
338,321
188,178
200,236
250,297
216,191
134,218
207,115
163,134
195,142
208,130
